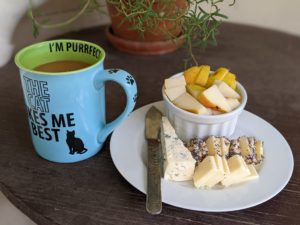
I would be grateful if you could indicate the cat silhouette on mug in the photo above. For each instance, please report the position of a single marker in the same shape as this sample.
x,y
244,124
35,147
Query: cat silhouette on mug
x,y
75,144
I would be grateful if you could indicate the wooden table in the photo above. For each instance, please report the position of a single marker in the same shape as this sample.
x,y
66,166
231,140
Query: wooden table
x,y
93,192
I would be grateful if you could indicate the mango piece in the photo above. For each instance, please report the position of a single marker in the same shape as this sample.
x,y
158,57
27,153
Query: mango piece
x,y
221,73
218,75
230,79
191,74
203,75
194,90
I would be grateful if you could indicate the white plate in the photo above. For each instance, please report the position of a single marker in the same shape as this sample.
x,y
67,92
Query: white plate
x,y
128,150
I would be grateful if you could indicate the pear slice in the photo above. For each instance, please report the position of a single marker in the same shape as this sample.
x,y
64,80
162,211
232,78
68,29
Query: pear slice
x,y
227,91
174,82
190,104
174,92
213,98
215,112
233,103
194,89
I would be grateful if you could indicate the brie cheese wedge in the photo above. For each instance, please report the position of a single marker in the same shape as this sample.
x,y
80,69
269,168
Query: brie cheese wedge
x,y
238,170
205,171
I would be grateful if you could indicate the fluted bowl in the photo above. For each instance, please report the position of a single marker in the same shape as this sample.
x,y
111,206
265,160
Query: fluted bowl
x,y
189,125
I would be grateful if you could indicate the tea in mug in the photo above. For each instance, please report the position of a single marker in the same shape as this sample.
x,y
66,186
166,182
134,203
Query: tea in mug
x,y
62,66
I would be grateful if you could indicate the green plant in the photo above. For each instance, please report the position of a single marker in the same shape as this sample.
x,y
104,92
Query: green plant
x,y
199,21
86,6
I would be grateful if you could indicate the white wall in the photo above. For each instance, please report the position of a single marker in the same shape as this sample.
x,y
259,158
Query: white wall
x,y
10,215
275,14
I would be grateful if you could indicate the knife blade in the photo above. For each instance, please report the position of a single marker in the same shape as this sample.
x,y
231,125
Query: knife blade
x,y
152,132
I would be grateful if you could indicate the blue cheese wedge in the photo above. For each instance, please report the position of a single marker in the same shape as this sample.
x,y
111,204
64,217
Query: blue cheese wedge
x,y
179,165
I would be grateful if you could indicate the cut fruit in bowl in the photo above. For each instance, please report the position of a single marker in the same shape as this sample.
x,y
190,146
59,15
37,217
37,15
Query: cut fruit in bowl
x,y
212,114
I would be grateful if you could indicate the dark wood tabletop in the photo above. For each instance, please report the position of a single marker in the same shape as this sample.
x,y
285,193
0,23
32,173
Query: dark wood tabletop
x,y
93,192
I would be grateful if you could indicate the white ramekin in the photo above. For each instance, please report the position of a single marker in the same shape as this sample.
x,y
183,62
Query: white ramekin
x,y
189,125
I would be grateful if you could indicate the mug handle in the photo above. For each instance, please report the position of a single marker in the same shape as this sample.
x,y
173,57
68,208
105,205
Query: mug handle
x,y
127,82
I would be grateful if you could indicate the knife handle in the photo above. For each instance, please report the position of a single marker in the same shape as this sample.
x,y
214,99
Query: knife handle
x,y
153,202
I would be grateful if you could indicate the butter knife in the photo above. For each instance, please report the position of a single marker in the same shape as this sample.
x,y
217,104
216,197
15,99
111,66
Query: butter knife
x,y
152,131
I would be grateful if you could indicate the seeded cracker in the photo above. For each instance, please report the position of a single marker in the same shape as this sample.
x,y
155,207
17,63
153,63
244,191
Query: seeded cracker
x,y
234,148
198,148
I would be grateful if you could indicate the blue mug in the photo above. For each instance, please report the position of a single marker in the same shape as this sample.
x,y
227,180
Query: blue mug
x,y
66,109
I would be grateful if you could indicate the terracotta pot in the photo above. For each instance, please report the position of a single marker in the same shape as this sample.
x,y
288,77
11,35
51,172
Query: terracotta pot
x,y
162,31
143,47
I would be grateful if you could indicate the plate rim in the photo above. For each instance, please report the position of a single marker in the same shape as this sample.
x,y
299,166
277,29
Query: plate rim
x,y
142,189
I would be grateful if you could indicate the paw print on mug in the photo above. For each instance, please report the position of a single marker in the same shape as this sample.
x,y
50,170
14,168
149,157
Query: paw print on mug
x,y
130,80
111,71
135,97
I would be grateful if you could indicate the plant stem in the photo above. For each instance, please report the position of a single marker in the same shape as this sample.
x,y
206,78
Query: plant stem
x,y
62,24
